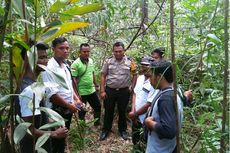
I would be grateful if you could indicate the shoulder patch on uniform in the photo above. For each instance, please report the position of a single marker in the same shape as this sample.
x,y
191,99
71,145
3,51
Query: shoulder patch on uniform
x,y
110,57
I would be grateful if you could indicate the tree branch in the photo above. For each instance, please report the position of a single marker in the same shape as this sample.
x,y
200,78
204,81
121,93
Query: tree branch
x,y
3,26
137,33
226,73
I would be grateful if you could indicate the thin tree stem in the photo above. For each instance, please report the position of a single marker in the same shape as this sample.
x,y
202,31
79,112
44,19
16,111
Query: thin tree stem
x,y
226,73
174,72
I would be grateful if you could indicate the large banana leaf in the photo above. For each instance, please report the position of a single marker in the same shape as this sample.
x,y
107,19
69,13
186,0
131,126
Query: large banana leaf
x,y
80,10
53,115
59,4
32,57
41,140
17,62
59,79
61,29
20,131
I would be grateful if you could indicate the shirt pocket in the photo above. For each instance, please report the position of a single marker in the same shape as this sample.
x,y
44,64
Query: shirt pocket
x,y
113,69
124,70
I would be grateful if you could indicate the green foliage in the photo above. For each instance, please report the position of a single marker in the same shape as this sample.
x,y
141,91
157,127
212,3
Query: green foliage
x,y
80,10
41,140
79,135
53,115
20,131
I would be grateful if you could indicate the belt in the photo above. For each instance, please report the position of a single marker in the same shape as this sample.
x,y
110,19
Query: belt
x,y
117,89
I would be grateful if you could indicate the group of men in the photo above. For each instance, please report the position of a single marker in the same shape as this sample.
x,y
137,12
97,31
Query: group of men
x,y
118,80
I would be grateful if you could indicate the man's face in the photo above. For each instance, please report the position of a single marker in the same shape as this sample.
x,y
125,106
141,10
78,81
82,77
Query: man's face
x,y
61,51
42,58
145,69
154,80
118,52
84,52
156,56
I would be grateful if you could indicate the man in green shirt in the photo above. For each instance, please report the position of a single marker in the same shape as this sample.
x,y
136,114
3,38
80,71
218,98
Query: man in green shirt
x,y
82,71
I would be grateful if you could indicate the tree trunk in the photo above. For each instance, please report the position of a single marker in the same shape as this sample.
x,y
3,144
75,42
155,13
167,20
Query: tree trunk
x,y
144,8
174,72
3,26
226,81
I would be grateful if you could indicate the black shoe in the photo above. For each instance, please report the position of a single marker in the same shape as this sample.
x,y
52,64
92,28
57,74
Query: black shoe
x,y
104,135
124,135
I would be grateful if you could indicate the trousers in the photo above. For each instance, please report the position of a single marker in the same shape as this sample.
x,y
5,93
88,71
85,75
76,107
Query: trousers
x,y
119,97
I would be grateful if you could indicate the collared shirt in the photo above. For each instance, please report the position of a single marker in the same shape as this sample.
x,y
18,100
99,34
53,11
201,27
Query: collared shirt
x,y
62,70
163,137
118,73
26,97
85,74
142,90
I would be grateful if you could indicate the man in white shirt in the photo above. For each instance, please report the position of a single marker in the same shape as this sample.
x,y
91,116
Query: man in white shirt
x,y
63,98
140,102
23,105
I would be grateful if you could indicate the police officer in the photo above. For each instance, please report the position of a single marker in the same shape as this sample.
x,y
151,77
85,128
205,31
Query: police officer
x,y
118,76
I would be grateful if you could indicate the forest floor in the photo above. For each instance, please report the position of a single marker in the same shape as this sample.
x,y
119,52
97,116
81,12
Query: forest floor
x,y
113,144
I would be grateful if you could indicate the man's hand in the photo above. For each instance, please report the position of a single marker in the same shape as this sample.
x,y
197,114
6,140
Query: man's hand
x,y
188,95
79,104
97,88
103,95
150,122
131,115
61,132
72,107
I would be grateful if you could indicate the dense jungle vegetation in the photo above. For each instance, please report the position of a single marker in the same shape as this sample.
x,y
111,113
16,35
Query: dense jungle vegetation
x,y
200,43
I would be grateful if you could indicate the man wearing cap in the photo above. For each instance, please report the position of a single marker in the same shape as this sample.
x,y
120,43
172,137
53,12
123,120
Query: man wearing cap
x,y
140,104
116,81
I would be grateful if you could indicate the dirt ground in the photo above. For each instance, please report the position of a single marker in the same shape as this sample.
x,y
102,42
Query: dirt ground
x,y
113,144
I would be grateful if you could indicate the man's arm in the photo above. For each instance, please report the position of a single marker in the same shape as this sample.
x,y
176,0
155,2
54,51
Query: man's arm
x,y
102,85
95,82
61,132
133,82
131,114
58,100
166,126
143,109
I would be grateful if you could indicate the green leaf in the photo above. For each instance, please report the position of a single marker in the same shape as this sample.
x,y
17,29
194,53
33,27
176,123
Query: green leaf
x,y
18,63
2,12
19,119
17,6
66,27
50,125
214,39
32,57
20,131
53,115
60,80
38,89
41,150
4,99
59,4
80,10
49,33
42,140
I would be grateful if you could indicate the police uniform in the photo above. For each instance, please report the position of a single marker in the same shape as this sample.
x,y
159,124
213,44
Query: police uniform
x,y
118,79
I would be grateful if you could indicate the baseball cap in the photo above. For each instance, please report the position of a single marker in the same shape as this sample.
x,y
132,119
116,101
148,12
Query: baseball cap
x,y
146,60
